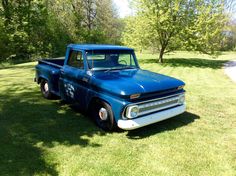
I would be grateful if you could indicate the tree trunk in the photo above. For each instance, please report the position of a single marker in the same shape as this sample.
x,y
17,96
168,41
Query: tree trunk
x,y
161,55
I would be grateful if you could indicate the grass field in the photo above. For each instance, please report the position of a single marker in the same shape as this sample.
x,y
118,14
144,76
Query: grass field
x,y
42,137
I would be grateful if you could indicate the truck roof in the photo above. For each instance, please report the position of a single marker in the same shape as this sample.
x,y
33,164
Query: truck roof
x,y
99,47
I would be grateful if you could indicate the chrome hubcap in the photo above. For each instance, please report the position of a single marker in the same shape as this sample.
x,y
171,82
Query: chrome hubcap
x,y
103,114
45,87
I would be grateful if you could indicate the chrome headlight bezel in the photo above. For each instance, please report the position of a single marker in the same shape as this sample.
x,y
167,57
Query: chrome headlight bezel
x,y
132,111
181,99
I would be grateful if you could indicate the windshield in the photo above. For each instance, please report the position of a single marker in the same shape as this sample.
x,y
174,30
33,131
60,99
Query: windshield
x,y
110,61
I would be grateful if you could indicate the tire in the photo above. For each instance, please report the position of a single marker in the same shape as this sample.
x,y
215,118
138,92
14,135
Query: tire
x,y
98,110
45,89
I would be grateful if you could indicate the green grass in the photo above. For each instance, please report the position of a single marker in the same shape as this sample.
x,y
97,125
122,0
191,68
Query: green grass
x,y
42,137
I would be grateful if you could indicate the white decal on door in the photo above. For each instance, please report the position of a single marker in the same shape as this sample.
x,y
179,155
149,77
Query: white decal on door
x,y
70,90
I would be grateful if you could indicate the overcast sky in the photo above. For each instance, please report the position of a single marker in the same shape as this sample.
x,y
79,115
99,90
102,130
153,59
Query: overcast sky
x,y
123,7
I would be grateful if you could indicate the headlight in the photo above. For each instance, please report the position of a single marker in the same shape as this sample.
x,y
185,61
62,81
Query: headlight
x,y
180,87
181,99
132,112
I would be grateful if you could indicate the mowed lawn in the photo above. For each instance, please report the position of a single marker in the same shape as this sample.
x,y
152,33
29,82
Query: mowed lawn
x,y
43,137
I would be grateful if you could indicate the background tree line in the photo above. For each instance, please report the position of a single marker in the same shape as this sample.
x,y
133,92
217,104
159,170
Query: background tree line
x,y
40,28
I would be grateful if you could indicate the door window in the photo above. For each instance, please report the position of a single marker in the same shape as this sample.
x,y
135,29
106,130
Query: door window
x,y
76,59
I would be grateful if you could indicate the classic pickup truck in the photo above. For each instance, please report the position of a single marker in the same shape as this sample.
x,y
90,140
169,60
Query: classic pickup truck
x,y
107,82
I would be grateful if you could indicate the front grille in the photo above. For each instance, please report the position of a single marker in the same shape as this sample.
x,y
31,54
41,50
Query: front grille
x,y
157,105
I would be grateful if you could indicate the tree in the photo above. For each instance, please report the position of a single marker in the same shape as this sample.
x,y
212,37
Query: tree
x,y
24,23
204,32
137,33
108,24
41,28
190,24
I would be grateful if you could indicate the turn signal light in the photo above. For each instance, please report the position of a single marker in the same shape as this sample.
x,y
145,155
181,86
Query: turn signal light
x,y
134,96
180,87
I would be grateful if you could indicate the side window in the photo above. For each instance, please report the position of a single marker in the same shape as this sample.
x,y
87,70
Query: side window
x,y
126,59
76,59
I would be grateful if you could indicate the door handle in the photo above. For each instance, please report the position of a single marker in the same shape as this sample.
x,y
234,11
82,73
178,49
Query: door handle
x,y
85,79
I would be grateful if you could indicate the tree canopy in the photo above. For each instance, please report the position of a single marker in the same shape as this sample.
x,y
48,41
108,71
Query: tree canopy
x,y
166,25
39,28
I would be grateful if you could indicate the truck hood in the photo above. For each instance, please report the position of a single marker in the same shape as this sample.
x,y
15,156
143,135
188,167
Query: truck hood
x,y
133,81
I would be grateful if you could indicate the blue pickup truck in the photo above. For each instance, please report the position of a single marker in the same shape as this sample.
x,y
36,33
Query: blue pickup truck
x,y
106,80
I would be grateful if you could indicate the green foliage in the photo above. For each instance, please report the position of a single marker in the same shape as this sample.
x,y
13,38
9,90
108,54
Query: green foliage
x,y
229,40
23,28
205,32
167,25
40,28
133,36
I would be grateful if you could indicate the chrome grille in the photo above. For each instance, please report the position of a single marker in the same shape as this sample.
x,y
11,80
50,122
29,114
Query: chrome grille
x,y
157,105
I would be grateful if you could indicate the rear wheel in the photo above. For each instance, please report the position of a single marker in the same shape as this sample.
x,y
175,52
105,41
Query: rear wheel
x,y
103,116
45,89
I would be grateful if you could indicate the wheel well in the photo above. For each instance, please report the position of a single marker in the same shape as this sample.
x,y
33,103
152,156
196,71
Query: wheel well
x,y
96,100
110,123
40,79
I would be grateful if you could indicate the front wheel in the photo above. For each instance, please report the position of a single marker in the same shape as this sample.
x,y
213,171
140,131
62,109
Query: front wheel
x,y
103,116
45,89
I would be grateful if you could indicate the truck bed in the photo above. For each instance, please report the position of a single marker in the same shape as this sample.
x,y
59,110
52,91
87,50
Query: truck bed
x,y
49,69
56,62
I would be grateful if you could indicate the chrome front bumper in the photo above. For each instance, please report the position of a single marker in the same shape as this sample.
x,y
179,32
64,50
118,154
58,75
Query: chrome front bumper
x,y
151,118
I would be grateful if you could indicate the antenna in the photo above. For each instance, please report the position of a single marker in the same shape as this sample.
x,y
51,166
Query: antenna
x,y
92,59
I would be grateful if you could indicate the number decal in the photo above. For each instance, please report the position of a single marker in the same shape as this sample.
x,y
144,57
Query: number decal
x,y
70,90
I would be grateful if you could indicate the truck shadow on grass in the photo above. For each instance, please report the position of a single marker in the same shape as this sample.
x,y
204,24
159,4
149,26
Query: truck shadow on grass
x,y
29,124
166,125
183,62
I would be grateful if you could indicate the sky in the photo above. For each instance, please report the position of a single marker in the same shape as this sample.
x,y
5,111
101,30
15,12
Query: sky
x,y
123,8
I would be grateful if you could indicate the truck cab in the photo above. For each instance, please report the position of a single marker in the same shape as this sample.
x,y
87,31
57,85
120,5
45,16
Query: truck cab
x,y
106,80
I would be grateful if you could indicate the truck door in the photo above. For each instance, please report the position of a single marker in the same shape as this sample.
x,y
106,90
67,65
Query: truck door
x,y
73,84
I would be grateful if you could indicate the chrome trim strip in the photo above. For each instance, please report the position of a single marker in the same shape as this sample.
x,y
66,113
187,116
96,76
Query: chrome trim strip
x,y
162,97
143,112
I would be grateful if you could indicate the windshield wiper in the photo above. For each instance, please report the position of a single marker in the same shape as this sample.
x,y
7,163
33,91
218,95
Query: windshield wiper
x,y
120,68
128,67
109,69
